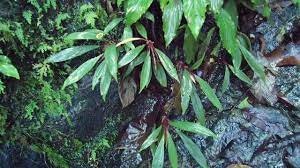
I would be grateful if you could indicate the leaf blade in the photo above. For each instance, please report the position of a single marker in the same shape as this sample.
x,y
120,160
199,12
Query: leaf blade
x,y
135,9
185,90
151,138
167,64
192,127
146,72
131,55
111,60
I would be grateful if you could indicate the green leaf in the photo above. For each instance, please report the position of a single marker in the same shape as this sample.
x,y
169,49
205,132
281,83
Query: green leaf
x,y
194,12
231,8
151,138
185,90
149,16
4,59
244,104
228,31
198,107
241,75
226,80
9,70
98,74
172,15
131,55
163,4
137,61
209,92
255,66
127,33
141,29
70,53
172,152
27,16
146,72
190,46
192,127
92,34
111,59
193,149
167,64
216,5
105,82
158,159
135,9
112,25
82,70
160,74
119,2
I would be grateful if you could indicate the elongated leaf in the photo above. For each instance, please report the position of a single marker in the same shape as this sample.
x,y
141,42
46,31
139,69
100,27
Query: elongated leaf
x,y
137,61
82,70
112,25
163,4
151,138
92,34
255,66
192,127
172,152
226,80
194,12
241,75
149,16
167,64
135,9
71,53
209,92
131,55
4,59
127,33
119,2
244,104
216,5
228,32
193,149
111,59
231,8
158,159
128,41
172,15
160,74
9,70
190,46
98,74
142,30
105,82
185,90
198,107
146,72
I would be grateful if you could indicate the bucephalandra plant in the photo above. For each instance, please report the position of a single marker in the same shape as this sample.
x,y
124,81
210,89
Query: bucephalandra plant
x,y
132,52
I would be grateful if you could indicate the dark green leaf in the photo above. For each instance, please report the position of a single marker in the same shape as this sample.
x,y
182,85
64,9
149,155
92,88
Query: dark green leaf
x,y
98,74
198,107
146,72
226,80
127,33
172,152
215,51
119,2
172,15
135,9
112,25
160,74
167,64
71,53
149,16
4,59
9,70
111,59
158,159
141,29
190,46
216,5
82,70
163,4
231,8
228,32
255,66
241,75
131,55
244,40
137,61
105,82
192,127
92,34
193,149
209,92
194,12
185,90
244,104
151,138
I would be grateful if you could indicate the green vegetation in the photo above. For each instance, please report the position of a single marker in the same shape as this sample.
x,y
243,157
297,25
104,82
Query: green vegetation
x,y
42,43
